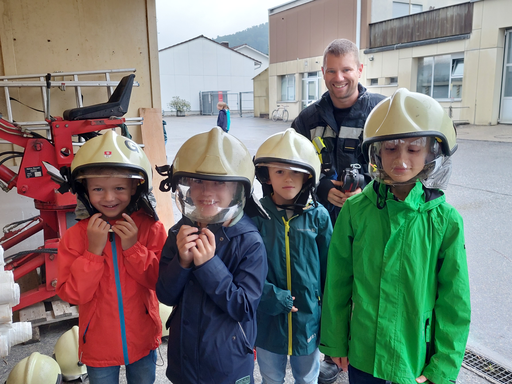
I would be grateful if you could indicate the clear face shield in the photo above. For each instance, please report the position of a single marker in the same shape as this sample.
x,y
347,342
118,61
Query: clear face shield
x,y
407,160
108,173
209,201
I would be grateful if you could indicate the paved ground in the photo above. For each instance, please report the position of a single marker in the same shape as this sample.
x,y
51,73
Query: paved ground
x,y
477,189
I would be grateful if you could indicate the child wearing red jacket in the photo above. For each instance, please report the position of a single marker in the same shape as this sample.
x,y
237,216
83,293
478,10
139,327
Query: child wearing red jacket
x,y
108,262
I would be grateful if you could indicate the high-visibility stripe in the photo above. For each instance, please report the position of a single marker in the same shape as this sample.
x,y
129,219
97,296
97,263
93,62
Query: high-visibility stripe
x,y
288,278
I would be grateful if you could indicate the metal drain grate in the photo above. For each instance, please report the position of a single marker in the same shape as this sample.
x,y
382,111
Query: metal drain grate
x,y
486,368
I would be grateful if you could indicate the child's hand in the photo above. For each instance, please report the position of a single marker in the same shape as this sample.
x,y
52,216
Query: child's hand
x,y
341,362
127,231
205,247
294,308
97,234
186,241
421,379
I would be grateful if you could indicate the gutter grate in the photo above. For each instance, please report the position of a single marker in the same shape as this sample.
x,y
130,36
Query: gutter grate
x,y
486,368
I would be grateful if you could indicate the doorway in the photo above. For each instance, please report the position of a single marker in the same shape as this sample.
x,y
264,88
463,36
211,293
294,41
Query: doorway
x,y
506,88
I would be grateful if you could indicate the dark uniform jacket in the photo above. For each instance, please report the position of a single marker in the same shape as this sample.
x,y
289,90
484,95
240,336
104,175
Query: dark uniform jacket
x,y
343,143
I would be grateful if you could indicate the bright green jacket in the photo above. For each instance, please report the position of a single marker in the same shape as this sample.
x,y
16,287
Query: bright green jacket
x,y
297,259
396,298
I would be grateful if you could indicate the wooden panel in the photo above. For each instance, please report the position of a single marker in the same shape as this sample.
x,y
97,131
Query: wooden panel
x,y
154,147
434,24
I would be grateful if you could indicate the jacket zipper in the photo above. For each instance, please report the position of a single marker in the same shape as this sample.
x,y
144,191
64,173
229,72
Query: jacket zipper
x,y
119,298
288,278
243,333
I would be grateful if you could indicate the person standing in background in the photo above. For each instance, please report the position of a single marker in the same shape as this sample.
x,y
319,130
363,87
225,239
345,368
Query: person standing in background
x,y
224,117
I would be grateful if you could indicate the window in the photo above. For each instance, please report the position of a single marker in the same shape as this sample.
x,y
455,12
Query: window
x,y
393,81
288,88
374,82
441,76
310,87
402,9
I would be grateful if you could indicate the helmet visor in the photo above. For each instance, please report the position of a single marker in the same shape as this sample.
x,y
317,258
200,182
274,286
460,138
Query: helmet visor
x,y
209,201
405,160
263,176
108,172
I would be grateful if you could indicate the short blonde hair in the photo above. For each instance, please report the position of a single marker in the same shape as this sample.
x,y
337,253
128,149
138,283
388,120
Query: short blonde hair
x,y
222,104
342,47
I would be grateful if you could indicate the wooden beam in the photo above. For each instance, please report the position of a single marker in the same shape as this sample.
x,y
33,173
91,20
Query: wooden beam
x,y
154,146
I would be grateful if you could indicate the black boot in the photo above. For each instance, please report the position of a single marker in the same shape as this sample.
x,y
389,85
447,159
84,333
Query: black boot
x,y
328,371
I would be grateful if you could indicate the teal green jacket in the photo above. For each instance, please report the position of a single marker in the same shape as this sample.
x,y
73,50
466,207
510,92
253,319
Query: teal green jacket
x,y
396,299
297,259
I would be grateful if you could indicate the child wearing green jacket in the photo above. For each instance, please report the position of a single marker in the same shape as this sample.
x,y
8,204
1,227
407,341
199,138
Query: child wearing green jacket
x,y
396,301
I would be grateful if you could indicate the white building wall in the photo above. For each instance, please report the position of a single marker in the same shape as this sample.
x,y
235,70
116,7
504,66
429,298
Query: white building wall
x,y
202,65
255,54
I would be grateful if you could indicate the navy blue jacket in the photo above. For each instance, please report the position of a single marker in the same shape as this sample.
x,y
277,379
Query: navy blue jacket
x,y
212,328
222,120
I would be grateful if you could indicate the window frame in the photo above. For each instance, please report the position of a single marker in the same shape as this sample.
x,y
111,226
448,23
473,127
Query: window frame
x,y
286,87
453,57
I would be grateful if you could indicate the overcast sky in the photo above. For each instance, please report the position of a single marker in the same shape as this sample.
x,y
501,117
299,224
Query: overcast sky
x,y
179,21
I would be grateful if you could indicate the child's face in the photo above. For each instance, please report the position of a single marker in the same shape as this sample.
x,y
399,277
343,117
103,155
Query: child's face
x,y
219,107
210,197
403,159
286,184
111,195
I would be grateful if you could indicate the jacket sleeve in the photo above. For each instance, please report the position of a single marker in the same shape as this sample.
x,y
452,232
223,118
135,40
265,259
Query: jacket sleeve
x,y
338,289
78,271
452,309
237,294
275,301
172,277
141,260
299,126
323,240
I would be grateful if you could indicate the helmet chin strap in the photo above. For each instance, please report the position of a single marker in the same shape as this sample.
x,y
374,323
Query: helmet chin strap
x,y
212,227
301,200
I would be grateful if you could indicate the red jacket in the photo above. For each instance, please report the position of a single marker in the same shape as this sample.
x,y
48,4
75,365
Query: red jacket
x,y
116,328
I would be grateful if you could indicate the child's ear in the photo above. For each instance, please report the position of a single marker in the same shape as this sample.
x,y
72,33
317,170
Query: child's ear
x,y
268,182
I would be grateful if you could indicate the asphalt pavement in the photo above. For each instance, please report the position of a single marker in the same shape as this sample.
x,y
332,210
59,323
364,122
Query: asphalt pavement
x,y
480,188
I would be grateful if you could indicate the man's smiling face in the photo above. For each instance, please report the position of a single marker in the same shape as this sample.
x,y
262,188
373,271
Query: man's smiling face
x,y
341,76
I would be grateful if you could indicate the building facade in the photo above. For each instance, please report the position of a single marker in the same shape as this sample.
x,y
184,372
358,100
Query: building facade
x,y
200,70
459,52
262,59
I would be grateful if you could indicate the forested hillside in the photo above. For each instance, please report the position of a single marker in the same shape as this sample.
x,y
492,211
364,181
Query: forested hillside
x,y
256,37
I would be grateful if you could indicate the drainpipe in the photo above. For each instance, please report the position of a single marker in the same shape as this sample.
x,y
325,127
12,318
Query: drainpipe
x,y
358,25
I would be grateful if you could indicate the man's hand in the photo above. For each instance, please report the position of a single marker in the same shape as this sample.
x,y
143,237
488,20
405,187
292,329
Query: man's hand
x,y
127,231
97,234
338,198
186,241
341,362
421,379
205,247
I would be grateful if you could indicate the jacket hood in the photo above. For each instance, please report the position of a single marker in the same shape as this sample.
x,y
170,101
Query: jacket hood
x,y
419,199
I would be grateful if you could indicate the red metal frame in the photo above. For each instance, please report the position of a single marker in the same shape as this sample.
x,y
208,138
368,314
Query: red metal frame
x,y
34,182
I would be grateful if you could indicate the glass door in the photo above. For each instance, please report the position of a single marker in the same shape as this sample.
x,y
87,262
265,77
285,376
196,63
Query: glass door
x,y
506,89
310,87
